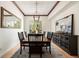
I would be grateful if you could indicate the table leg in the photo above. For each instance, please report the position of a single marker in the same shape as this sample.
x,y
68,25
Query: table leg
x,y
40,52
29,53
50,49
20,49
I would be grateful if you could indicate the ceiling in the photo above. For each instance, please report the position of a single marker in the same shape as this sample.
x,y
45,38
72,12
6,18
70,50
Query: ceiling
x,y
29,7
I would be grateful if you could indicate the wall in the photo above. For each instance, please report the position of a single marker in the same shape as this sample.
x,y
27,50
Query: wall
x,y
0,17
29,19
9,37
67,9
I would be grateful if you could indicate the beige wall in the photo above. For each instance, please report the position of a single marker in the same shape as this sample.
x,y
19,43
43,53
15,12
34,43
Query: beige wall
x,y
0,17
9,37
69,8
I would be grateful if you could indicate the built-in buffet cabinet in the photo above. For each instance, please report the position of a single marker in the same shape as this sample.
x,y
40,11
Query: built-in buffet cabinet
x,y
66,41
64,36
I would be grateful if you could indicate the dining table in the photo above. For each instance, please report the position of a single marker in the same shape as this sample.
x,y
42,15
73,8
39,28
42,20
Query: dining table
x,y
36,42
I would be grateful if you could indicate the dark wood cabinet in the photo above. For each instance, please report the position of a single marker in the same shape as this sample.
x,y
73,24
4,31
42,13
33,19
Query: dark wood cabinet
x,y
64,35
67,42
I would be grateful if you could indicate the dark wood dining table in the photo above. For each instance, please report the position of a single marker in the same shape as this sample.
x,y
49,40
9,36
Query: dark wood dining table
x,y
36,46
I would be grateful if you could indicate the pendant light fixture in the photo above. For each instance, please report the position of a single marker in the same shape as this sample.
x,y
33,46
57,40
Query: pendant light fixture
x,y
36,17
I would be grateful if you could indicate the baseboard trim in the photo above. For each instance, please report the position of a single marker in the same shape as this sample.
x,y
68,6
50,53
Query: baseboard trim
x,y
10,53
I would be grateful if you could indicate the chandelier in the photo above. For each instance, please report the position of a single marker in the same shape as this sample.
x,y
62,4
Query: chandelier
x,y
36,17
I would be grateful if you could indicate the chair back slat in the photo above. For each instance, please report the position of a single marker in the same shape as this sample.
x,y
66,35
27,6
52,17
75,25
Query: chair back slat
x,y
44,33
49,35
21,37
25,33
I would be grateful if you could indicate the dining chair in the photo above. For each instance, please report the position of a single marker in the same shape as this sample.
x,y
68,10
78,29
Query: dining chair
x,y
44,34
49,37
25,34
23,42
35,46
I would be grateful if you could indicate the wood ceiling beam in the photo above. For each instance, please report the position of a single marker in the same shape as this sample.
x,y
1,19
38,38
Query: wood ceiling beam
x,y
18,7
53,7
36,15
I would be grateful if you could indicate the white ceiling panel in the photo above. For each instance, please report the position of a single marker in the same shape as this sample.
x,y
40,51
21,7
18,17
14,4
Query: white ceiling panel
x,y
29,7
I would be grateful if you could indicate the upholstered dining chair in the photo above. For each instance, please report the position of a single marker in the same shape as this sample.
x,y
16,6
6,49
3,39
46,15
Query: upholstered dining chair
x,y
25,34
49,37
44,34
35,45
23,42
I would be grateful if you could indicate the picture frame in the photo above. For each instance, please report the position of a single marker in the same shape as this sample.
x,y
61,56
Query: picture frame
x,y
9,20
65,24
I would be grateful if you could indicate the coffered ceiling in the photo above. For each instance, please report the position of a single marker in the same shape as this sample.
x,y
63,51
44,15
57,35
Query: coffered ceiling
x,y
29,7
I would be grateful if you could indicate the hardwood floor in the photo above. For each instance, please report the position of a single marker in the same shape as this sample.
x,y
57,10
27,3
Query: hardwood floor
x,y
66,55
13,50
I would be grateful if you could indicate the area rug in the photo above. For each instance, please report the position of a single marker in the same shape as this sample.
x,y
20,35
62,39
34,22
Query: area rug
x,y
25,54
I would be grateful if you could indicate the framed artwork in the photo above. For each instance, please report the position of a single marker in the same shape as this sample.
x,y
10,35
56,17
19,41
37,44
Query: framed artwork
x,y
65,24
9,20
